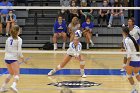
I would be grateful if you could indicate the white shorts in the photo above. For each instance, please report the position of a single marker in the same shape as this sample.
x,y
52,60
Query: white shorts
x,y
70,52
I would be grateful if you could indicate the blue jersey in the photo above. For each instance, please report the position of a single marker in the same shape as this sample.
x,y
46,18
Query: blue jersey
x,y
58,28
87,26
5,11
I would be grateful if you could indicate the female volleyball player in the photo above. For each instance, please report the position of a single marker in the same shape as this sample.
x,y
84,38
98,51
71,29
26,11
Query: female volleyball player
x,y
73,51
134,32
13,53
133,60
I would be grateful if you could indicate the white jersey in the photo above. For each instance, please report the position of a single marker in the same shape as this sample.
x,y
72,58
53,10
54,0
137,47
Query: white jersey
x,y
13,49
74,50
135,32
130,47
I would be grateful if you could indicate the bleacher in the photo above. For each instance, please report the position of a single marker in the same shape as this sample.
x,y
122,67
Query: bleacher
x,y
37,26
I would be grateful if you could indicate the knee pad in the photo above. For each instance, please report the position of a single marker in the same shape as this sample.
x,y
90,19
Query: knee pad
x,y
16,77
82,63
9,76
136,74
129,76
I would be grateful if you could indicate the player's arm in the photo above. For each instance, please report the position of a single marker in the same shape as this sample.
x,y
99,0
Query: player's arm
x,y
129,51
20,50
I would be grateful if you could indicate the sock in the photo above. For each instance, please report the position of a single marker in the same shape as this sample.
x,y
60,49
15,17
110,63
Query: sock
x,y
87,46
134,87
64,44
82,71
91,41
55,45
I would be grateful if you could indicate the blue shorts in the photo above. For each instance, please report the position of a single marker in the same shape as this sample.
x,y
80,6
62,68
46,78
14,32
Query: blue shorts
x,y
138,41
10,61
135,63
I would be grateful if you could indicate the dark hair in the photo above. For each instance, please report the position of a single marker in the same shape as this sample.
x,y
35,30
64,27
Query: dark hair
x,y
132,18
88,18
126,30
117,4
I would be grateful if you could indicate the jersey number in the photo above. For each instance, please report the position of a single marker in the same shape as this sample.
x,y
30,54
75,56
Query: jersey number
x,y
11,42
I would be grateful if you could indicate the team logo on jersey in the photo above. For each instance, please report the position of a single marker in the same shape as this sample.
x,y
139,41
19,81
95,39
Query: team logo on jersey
x,y
75,84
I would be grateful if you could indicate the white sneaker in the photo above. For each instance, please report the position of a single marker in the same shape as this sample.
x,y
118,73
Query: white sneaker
x,y
83,76
123,25
14,89
55,46
122,69
134,91
2,90
109,26
51,73
87,46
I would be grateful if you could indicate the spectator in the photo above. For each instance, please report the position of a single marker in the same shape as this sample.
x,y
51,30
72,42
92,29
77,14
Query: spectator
x,y
103,13
116,13
4,12
91,3
85,12
10,21
21,1
73,12
87,28
59,31
73,26
65,12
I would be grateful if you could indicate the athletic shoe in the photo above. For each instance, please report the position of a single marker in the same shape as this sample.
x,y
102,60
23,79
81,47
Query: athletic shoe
x,y
83,76
109,26
14,89
2,90
51,73
122,69
92,44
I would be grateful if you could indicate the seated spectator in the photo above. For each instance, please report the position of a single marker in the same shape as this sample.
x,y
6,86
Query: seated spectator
x,y
59,31
65,12
87,28
85,12
116,13
21,1
91,3
73,12
3,13
10,21
103,13
73,26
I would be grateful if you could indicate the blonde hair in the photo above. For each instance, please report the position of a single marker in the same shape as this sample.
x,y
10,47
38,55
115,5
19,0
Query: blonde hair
x,y
15,31
66,90
72,22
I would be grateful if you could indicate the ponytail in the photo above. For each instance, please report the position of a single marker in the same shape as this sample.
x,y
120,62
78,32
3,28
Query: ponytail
x,y
135,43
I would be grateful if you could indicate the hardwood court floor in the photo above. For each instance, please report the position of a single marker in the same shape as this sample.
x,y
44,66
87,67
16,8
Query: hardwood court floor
x,y
38,83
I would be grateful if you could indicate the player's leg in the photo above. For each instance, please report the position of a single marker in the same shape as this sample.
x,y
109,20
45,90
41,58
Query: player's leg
x,y
129,71
8,78
16,70
82,66
61,65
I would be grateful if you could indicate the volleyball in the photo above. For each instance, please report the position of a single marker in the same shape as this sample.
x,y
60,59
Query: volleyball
x,y
78,33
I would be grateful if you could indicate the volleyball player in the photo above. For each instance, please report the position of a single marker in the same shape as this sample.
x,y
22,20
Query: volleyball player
x,y
133,60
135,33
73,51
13,53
